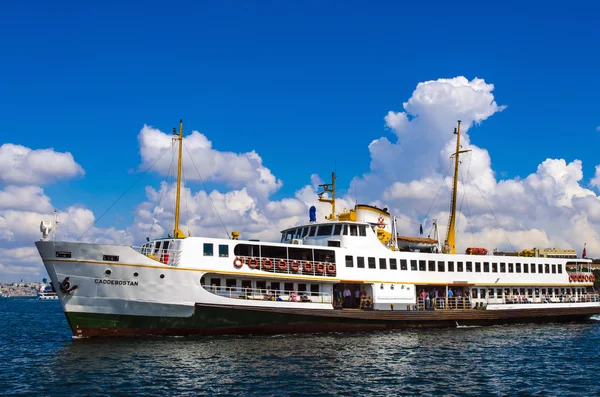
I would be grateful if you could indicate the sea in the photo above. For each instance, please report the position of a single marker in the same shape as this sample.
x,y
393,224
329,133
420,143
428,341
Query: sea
x,y
39,357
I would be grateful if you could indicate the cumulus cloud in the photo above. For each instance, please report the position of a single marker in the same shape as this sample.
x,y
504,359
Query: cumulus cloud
x,y
21,165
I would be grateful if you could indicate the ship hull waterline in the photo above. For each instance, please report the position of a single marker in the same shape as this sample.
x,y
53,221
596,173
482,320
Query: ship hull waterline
x,y
236,320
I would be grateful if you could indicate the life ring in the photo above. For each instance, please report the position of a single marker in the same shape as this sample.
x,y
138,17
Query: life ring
x,y
580,278
308,267
592,277
320,267
295,266
331,268
586,278
252,263
281,265
570,278
267,264
237,262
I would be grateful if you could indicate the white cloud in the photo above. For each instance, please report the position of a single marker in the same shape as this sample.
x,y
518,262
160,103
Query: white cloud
x,y
24,198
22,165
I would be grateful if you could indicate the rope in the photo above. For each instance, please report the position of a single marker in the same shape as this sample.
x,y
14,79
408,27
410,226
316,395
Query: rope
x,y
439,188
162,192
124,193
207,194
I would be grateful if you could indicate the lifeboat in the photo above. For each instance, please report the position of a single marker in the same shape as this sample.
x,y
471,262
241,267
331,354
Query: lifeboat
x,y
476,251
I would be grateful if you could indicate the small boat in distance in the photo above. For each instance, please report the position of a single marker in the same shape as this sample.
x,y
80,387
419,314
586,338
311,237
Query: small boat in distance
x,y
348,272
46,292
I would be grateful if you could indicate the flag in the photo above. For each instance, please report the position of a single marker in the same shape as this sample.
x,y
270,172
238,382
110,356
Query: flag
x,y
583,255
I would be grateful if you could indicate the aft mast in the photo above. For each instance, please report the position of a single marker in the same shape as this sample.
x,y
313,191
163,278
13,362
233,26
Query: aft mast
x,y
450,243
329,187
179,137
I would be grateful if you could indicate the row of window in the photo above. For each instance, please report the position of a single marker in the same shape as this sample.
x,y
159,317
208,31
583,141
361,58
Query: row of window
x,y
443,266
274,286
506,292
223,250
325,230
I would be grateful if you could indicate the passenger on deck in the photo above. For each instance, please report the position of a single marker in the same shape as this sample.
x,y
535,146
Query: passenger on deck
x,y
356,298
347,297
547,298
304,298
279,298
293,297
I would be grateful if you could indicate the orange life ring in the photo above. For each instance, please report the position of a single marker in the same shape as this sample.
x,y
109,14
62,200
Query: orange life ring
x,y
320,267
281,265
592,277
580,277
295,266
267,264
252,263
331,268
308,267
587,278
237,262
570,278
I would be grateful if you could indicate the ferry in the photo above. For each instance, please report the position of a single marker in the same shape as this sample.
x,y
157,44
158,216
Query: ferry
x,y
46,292
348,272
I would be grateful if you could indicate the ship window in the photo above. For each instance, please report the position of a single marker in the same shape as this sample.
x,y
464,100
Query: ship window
x,y
422,266
353,230
362,230
337,230
275,286
518,268
349,261
345,230
287,287
547,268
482,290
540,268
305,231
530,291
494,267
301,287
289,235
499,292
469,266
208,249
246,250
325,230
247,284
311,231
450,266
371,261
261,285
441,266
560,269
393,264
299,232
223,251
324,256
525,268
478,267
474,293
360,262
314,289
459,266
215,283
533,268
432,266
486,267
403,264
413,265
333,243
231,283
502,267
382,263
300,254
269,251
511,267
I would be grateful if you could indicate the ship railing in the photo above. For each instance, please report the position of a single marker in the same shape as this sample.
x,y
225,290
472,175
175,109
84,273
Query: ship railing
x,y
165,256
286,266
463,302
269,295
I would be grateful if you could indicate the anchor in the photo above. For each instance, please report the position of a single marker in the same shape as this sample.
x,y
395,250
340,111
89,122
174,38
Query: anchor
x,y
65,286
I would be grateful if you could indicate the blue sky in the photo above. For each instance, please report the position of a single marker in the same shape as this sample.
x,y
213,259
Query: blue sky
x,y
305,84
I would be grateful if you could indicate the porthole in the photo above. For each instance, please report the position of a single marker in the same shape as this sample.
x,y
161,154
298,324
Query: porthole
x,y
135,274
107,272
162,276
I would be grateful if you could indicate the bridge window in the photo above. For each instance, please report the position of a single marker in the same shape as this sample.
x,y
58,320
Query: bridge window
x,y
478,267
362,230
502,267
312,230
450,266
305,231
403,264
432,266
422,266
353,230
349,261
459,267
441,266
223,251
382,263
360,262
345,230
371,262
393,264
337,230
208,249
511,268
486,267
325,230
469,266
413,265
525,268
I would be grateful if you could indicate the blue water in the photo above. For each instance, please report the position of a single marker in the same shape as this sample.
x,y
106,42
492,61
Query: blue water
x,y
38,356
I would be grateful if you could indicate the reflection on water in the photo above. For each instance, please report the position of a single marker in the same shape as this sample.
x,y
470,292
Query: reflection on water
x,y
551,359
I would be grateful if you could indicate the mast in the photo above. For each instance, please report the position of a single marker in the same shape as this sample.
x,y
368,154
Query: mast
x,y
329,187
450,244
177,233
